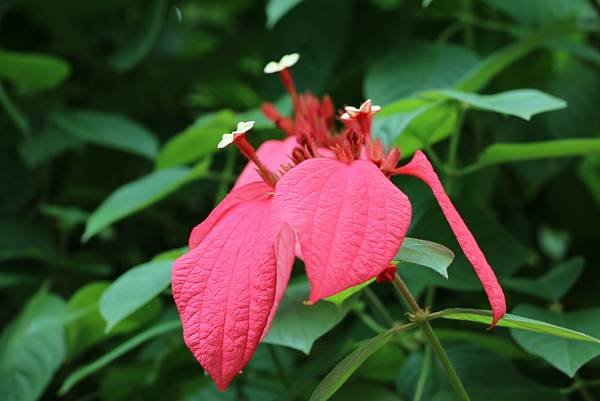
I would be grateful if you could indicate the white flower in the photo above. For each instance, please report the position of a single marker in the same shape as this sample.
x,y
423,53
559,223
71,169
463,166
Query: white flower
x,y
365,108
242,128
286,62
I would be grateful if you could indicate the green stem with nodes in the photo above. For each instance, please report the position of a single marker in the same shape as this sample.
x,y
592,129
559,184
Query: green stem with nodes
x,y
421,318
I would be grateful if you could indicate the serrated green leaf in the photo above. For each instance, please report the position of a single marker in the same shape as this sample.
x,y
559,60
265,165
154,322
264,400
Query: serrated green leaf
x,y
139,194
562,352
425,253
197,141
33,71
105,129
523,103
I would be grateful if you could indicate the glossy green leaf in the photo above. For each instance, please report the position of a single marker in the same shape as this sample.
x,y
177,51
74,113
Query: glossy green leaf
x,y
552,285
415,67
562,352
198,140
523,103
131,343
276,9
425,253
538,12
517,322
132,290
33,71
298,325
110,130
139,194
139,42
341,296
30,352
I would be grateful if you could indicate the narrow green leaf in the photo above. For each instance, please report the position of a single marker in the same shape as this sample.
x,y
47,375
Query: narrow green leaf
x,y
139,194
132,290
496,62
197,141
276,9
344,369
110,130
561,352
513,152
341,296
30,357
516,322
141,41
425,253
46,145
523,103
33,71
86,370
297,325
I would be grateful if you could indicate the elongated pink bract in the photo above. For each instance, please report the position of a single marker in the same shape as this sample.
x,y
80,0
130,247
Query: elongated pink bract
x,y
421,168
226,287
349,218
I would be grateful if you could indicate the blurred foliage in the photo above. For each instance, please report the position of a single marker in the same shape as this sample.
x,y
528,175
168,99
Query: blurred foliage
x,y
110,112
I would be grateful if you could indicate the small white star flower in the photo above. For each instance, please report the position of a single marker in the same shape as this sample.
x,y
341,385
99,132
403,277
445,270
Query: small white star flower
x,y
242,128
286,62
365,108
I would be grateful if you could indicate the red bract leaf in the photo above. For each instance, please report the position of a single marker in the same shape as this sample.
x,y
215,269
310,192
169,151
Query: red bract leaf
x,y
226,287
420,167
349,218
272,154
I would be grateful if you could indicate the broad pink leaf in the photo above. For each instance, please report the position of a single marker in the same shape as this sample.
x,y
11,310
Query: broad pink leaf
x,y
420,167
349,218
226,286
272,154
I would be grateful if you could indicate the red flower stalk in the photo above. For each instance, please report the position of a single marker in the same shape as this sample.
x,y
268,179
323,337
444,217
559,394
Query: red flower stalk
x,y
329,195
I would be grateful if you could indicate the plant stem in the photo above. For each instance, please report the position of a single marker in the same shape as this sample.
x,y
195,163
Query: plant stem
x,y
14,113
422,380
421,318
377,306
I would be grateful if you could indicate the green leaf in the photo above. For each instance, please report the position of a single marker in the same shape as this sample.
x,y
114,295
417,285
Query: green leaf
x,y
197,141
415,67
86,370
30,357
140,42
485,375
589,173
360,391
516,322
552,285
110,130
513,152
139,194
425,253
21,240
132,290
562,352
297,325
492,65
341,296
277,9
45,146
347,366
523,103
538,12
33,71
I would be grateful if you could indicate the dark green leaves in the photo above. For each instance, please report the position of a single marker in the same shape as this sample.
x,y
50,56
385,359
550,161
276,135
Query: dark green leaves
x,y
33,71
32,348
139,194
276,9
108,130
417,66
297,325
562,352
